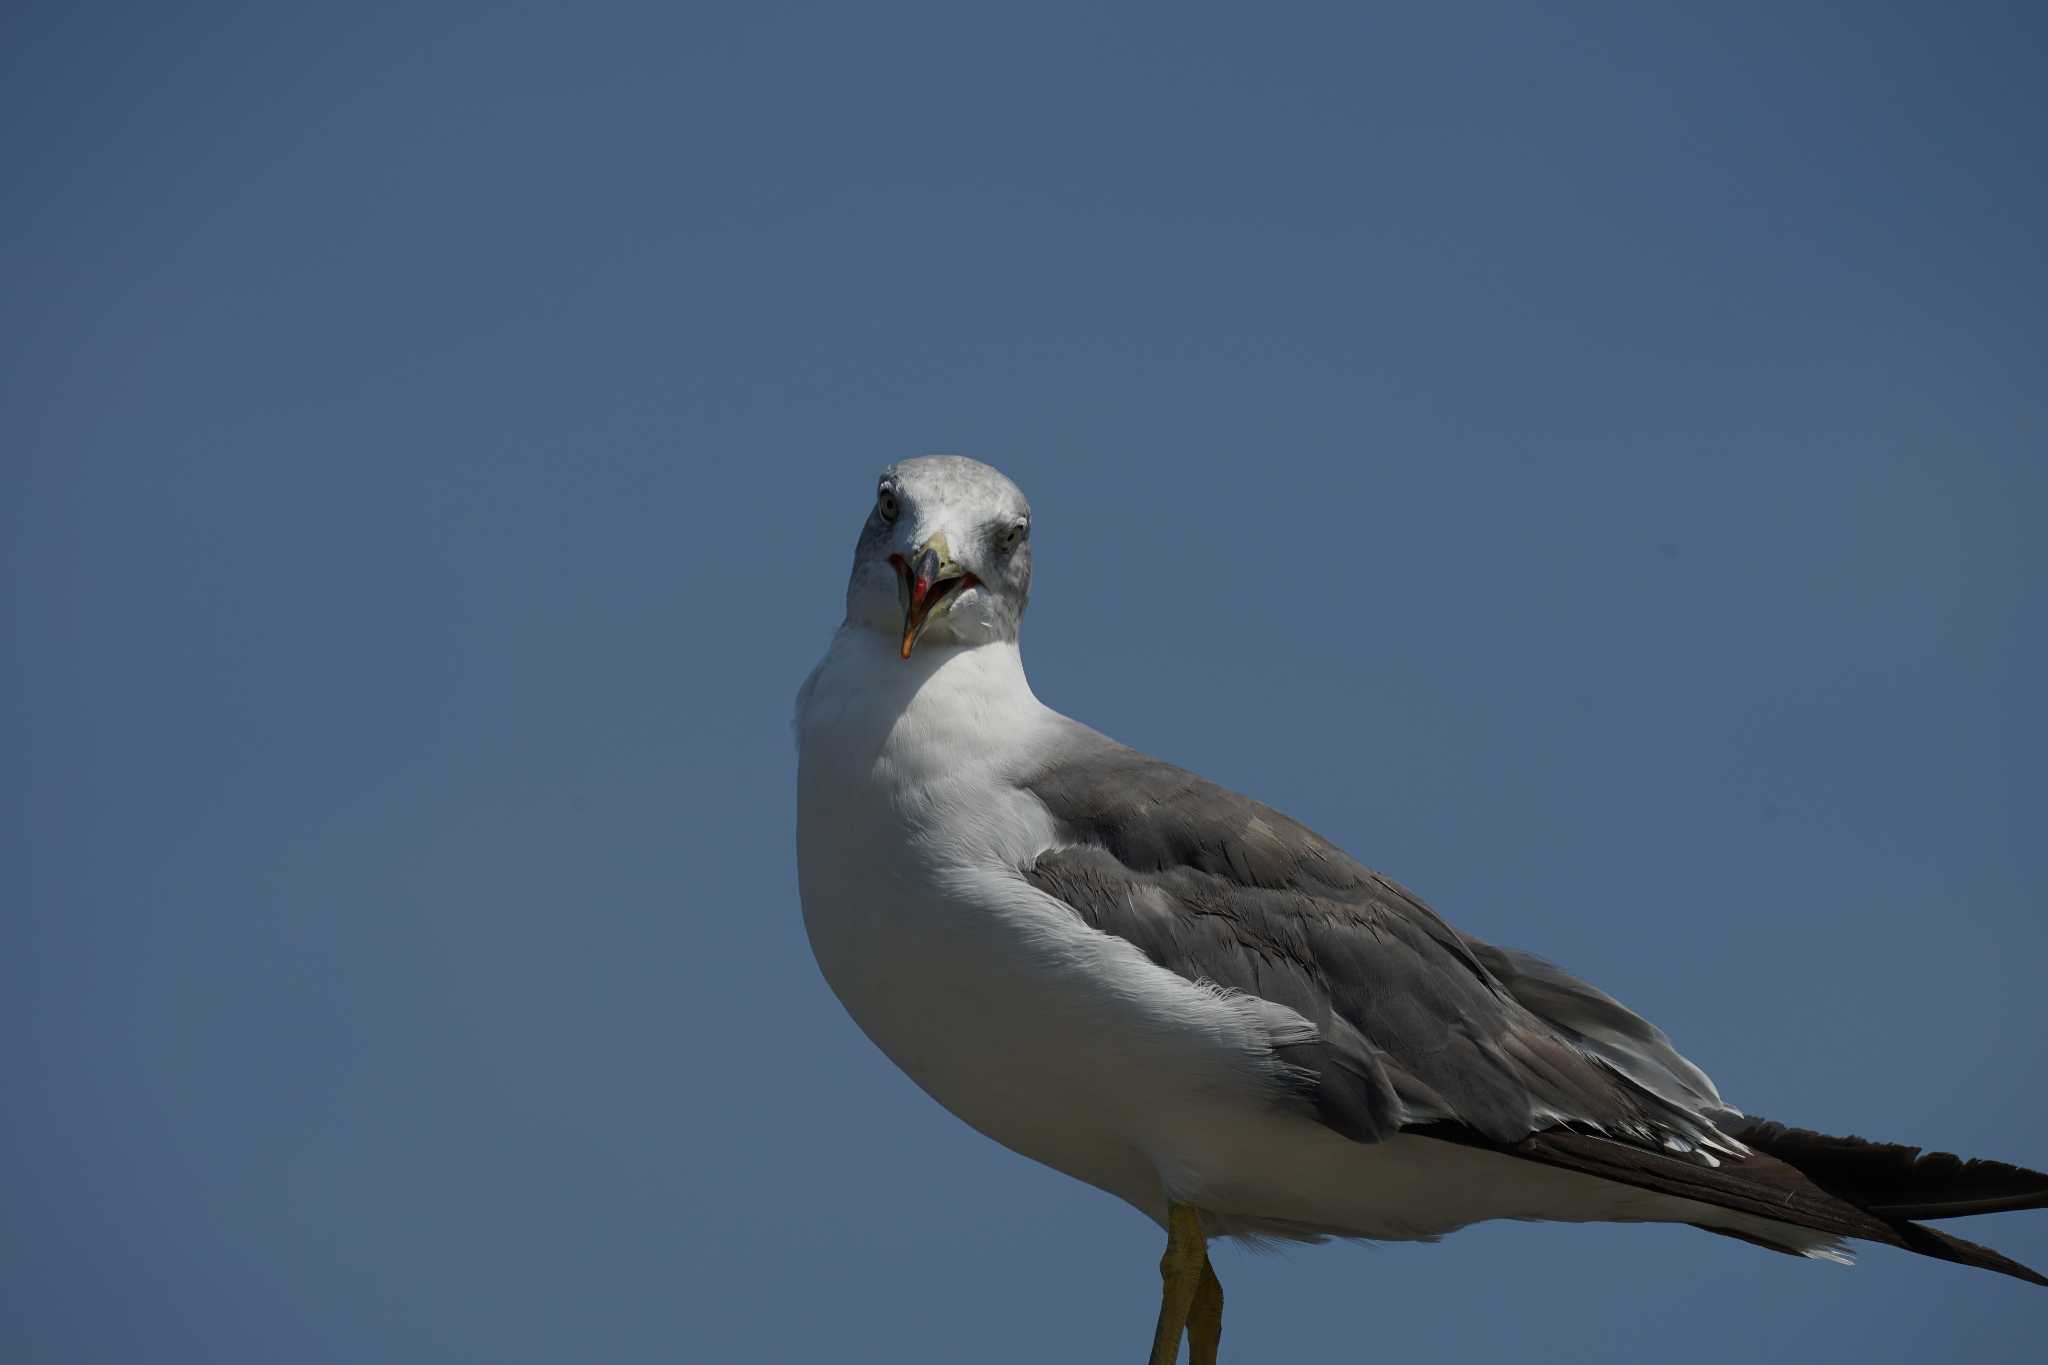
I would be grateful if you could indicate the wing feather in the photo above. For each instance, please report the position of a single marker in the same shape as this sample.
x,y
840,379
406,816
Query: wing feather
x,y
1422,1029
1412,1024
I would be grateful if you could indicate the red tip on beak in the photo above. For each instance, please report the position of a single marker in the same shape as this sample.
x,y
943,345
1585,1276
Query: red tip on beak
x,y
922,575
923,590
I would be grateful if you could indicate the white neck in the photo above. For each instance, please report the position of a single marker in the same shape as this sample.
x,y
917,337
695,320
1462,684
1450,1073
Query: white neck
x,y
888,746
973,696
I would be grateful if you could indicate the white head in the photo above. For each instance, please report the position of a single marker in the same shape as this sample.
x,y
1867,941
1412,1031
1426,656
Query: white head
x,y
945,557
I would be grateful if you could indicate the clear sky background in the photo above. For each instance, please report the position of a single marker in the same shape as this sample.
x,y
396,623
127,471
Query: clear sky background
x,y
1588,460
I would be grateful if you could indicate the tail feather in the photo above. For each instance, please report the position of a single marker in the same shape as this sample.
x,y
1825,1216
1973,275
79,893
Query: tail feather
x,y
1913,1237
1895,1181
1767,1186
1948,1247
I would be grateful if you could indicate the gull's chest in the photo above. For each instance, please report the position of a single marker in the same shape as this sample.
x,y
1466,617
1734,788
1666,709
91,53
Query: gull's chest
x,y
1059,1041
908,775
909,835
910,842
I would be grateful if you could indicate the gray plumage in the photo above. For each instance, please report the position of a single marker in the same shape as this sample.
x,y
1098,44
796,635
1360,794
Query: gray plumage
x,y
1413,1023
1599,1023
1421,1029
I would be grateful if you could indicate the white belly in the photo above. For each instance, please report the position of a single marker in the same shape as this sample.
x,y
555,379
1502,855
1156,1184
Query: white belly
x,y
1116,1088
1111,1089
1061,1043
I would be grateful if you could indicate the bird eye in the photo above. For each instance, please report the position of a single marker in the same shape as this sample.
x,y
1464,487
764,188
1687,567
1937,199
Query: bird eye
x,y
1014,536
887,503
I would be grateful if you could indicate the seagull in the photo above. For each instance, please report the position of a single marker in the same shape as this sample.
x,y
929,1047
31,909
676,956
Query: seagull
x,y
1185,999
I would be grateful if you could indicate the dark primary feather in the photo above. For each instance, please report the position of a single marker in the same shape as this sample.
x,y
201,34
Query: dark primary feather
x,y
1423,1029
1895,1181
1760,1184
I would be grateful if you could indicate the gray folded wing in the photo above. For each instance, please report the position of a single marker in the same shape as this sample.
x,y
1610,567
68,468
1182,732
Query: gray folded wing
x,y
1602,1025
1415,1023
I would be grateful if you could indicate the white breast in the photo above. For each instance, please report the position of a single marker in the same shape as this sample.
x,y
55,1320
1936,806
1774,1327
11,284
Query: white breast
x,y
1056,1040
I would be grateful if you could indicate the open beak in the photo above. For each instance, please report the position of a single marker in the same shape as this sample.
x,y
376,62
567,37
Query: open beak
x,y
928,582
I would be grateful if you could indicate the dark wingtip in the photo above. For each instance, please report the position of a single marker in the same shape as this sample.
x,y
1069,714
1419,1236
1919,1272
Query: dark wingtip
x,y
1930,1242
1893,1180
1899,1183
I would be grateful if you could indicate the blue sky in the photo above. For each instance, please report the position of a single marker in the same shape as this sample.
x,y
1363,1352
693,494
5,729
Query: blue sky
x,y
434,439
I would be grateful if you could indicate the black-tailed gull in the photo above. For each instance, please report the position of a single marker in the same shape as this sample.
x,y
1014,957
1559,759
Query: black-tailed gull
x,y
1185,998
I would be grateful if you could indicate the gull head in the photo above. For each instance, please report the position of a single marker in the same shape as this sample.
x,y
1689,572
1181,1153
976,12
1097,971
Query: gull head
x,y
945,556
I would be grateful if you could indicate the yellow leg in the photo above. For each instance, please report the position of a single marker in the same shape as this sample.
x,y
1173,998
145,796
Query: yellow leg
x,y
1180,1275
1205,1317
